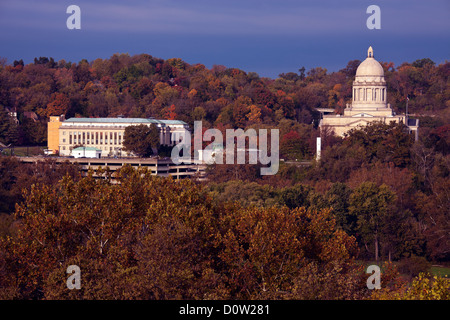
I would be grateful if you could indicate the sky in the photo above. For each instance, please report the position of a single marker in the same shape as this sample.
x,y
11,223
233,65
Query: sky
x,y
268,37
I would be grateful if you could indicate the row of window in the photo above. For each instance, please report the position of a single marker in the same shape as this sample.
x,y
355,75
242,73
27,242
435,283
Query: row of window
x,y
105,148
87,137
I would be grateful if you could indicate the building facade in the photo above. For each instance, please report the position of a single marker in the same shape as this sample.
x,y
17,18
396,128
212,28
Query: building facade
x,y
369,102
105,134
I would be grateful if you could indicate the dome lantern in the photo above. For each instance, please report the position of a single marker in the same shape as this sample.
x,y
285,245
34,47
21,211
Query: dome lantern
x,y
370,69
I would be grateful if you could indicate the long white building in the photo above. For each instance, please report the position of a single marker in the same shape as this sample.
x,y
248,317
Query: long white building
x,y
105,134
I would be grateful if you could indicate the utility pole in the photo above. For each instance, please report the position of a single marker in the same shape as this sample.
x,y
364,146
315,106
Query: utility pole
x,y
407,101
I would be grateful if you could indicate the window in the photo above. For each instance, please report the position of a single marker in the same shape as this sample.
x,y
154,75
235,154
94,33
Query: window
x,y
64,140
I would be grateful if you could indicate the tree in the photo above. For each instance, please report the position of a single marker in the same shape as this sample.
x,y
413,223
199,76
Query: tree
x,y
141,139
384,142
338,198
293,147
58,105
296,196
8,128
149,237
254,115
170,113
371,205
268,253
423,287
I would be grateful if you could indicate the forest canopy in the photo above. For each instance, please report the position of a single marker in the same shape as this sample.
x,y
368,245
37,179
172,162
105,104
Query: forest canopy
x,y
375,194
222,97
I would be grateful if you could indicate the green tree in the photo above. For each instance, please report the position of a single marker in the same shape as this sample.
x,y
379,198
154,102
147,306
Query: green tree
x,y
296,196
142,140
371,205
384,142
8,128
338,198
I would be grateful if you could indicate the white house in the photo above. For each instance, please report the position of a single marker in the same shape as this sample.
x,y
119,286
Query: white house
x,y
86,152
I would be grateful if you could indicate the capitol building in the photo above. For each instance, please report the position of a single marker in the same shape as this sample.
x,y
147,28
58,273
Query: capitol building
x,y
369,102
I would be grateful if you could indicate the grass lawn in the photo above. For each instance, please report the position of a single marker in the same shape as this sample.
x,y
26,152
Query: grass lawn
x,y
25,151
435,270
440,271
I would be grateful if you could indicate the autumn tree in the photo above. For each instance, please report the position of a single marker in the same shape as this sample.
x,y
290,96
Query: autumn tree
x,y
293,146
58,105
149,237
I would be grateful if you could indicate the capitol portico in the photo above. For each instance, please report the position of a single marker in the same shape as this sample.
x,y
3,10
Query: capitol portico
x,y
369,102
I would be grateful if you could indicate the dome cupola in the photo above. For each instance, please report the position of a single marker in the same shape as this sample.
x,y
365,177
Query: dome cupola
x,y
370,69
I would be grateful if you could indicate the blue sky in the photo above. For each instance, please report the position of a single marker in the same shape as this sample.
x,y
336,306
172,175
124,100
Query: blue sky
x,y
267,37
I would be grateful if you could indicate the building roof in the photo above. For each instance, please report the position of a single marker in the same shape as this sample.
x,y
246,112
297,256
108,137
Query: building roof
x,y
169,122
113,120
126,120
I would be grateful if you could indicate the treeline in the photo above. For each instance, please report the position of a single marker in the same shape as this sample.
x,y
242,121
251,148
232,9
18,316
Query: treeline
x,y
156,238
386,190
222,97
375,194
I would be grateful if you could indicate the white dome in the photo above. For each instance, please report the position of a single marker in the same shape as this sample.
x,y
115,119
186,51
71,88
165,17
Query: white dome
x,y
370,69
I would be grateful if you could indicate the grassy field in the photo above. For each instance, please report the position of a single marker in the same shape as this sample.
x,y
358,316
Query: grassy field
x,y
435,270
440,271
25,151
